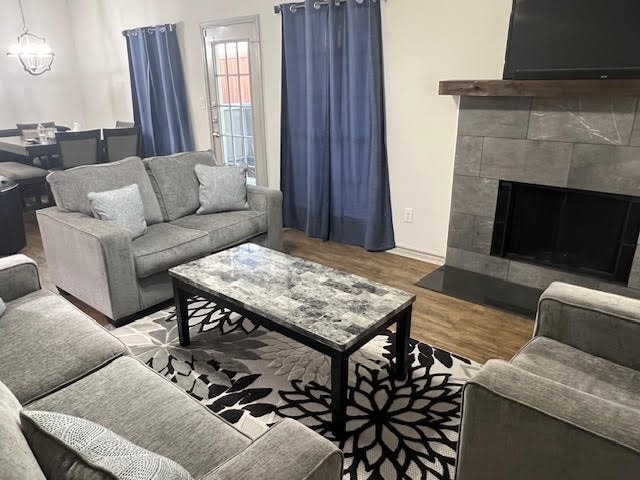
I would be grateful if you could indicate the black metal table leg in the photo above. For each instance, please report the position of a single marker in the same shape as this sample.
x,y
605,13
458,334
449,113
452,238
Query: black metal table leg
x,y
182,313
339,383
403,329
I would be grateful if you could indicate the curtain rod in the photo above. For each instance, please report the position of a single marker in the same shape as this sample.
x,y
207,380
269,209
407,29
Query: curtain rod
x,y
294,6
168,26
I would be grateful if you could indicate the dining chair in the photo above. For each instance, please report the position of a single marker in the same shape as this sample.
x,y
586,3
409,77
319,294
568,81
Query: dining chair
x,y
121,124
121,143
78,148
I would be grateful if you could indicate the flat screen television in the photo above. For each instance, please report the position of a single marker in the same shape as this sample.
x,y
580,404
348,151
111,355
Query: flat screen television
x,y
573,39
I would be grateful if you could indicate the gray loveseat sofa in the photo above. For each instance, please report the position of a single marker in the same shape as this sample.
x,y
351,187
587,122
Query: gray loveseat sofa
x,y
567,406
99,264
55,358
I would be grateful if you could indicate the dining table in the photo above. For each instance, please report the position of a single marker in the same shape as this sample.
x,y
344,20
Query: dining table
x,y
30,149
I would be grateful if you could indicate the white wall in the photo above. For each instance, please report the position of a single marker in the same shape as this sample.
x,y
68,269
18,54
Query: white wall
x,y
424,41
56,95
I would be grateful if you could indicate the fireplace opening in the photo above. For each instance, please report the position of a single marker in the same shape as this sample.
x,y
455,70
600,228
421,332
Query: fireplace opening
x,y
586,232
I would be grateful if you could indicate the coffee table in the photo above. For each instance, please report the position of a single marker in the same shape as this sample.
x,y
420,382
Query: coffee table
x,y
330,311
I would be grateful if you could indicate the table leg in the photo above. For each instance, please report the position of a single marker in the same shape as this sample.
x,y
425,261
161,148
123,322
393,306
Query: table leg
x,y
182,313
339,383
403,329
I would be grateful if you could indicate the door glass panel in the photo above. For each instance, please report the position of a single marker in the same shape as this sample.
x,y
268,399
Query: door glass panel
x,y
243,57
232,61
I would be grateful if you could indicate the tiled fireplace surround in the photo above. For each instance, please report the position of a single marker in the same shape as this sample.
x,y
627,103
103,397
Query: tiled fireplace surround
x,y
586,144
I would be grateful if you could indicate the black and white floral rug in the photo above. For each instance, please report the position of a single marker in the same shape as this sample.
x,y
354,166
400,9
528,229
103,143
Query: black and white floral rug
x,y
253,377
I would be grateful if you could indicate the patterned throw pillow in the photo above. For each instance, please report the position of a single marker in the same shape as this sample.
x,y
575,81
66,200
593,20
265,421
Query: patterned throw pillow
x,y
123,207
72,448
222,189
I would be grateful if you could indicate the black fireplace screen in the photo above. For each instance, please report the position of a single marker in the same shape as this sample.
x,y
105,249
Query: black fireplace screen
x,y
587,232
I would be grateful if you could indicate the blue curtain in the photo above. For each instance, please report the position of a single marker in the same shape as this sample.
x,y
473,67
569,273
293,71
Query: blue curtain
x,y
158,90
334,172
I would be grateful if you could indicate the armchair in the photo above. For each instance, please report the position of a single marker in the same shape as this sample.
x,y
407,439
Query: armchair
x,y
567,406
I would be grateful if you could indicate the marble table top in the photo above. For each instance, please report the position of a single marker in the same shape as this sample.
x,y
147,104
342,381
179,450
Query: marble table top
x,y
334,307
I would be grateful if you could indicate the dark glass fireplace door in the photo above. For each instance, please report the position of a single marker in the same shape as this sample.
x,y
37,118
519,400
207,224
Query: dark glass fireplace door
x,y
590,233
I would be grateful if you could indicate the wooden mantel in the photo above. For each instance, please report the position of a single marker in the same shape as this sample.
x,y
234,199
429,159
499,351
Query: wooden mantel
x,y
541,88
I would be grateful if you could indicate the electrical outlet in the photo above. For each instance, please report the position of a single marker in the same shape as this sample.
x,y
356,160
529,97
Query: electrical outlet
x,y
408,215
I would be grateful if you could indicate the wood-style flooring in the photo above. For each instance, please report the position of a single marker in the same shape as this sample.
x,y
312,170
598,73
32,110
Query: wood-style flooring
x,y
470,330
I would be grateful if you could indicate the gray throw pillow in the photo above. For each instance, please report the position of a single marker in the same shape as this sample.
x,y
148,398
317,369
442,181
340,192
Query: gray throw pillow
x,y
222,189
71,448
122,207
3,307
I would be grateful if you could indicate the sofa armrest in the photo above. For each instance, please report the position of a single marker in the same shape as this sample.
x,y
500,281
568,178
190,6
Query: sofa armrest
x,y
599,323
90,259
516,424
269,201
287,451
18,277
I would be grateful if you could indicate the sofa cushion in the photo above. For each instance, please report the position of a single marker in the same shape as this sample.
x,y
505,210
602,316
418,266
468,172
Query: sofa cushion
x,y
227,228
222,189
21,173
17,461
122,207
70,187
577,369
165,246
46,343
73,448
174,180
136,403
3,307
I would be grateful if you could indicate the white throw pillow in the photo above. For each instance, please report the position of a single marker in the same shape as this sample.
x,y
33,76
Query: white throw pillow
x,y
122,207
71,448
222,189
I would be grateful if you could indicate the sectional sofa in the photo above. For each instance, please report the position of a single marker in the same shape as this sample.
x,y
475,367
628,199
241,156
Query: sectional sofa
x,y
55,358
98,262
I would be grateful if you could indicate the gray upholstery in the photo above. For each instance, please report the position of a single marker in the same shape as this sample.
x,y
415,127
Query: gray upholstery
x,y
73,448
70,187
222,189
122,207
98,269
603,324
568,405
62,344
21,173
50,349
18,277
227,228
269,201
274,456
174,180
582,371
17,461
118,277
165,246
151,412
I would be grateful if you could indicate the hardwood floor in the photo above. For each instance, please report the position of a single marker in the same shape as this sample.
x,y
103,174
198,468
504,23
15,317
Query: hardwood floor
x,y
470,330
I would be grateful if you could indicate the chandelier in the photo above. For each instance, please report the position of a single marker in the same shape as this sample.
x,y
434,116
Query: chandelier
x,y
33,52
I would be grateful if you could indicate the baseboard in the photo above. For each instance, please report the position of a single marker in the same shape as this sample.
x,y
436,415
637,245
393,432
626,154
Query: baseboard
x,y
418,255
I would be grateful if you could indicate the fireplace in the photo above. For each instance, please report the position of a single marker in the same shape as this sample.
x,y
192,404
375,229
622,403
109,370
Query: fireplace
x,y
589,233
